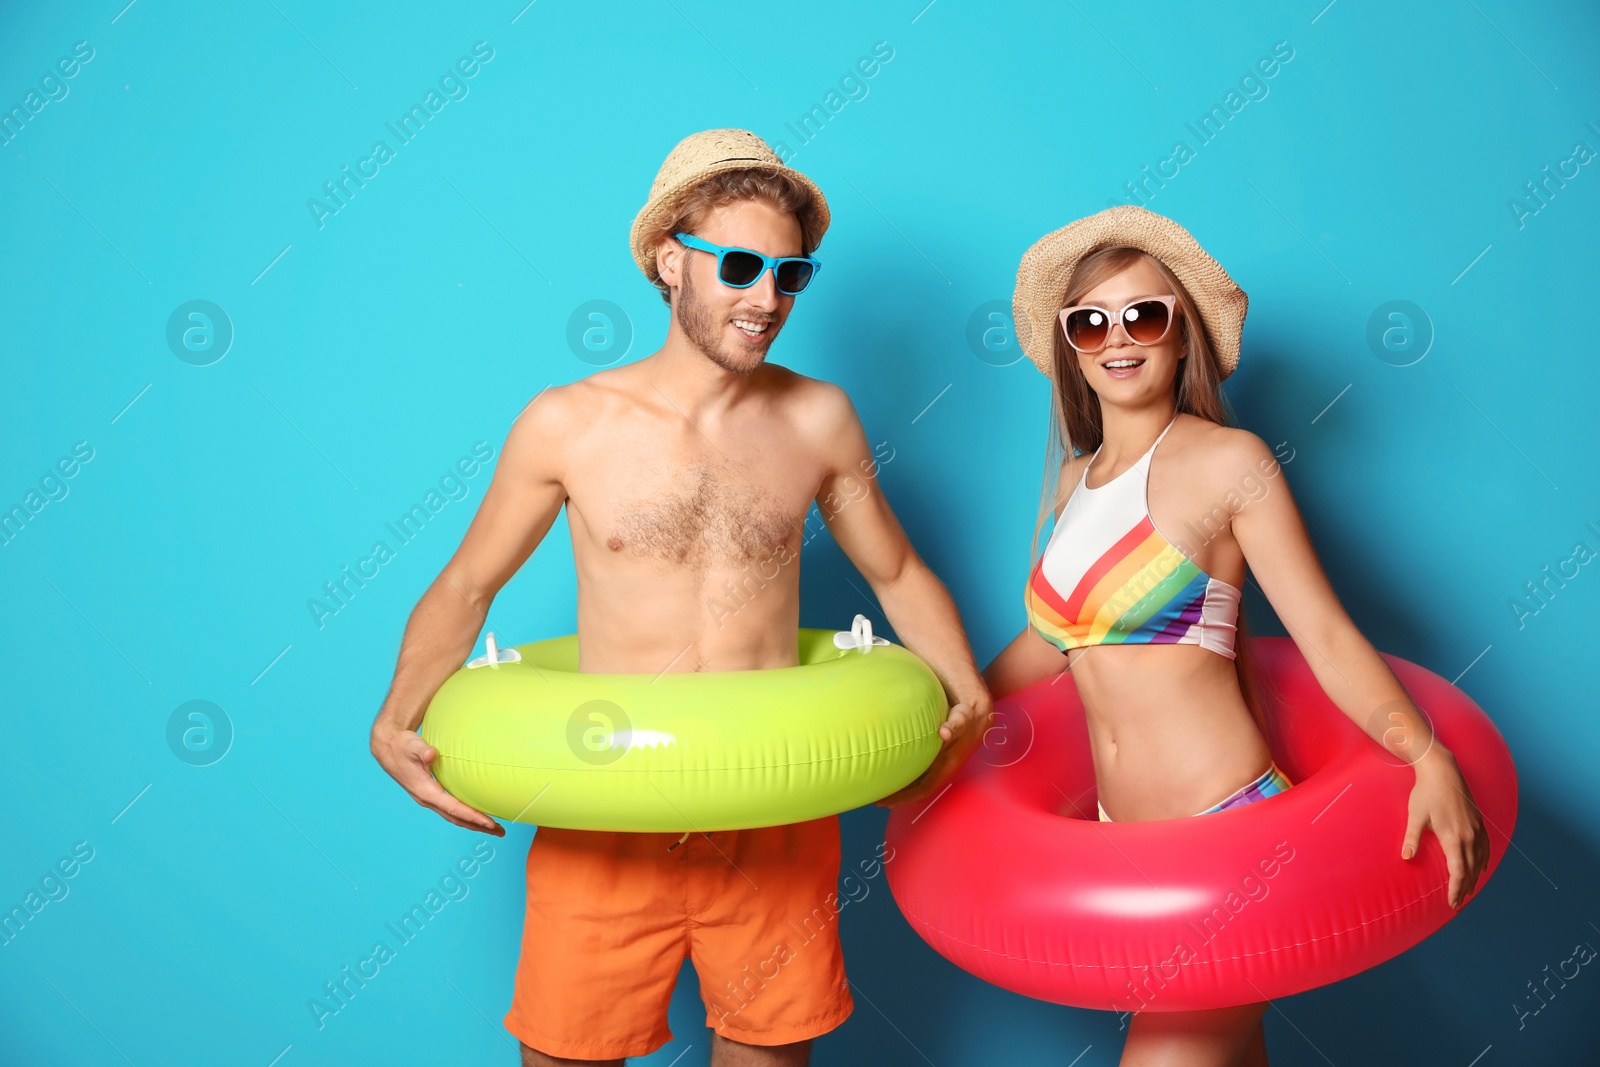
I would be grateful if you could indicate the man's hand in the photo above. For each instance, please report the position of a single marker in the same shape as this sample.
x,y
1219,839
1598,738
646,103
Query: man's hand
x,y
406,756
962,732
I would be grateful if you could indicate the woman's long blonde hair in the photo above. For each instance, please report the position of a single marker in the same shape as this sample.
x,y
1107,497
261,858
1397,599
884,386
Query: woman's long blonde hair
x,y
1075,412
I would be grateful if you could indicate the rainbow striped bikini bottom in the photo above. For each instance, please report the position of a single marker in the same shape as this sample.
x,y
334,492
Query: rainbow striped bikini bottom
x,y
1271,783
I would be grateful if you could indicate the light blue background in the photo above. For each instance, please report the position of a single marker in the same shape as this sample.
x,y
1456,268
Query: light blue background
x,y
369,354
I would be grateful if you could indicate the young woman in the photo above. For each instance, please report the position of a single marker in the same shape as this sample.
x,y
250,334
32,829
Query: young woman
x,y
1159,507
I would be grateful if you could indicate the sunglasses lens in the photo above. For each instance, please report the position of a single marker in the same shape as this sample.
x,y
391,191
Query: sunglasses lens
x,y
793,276
740,268
1146,322
1087,329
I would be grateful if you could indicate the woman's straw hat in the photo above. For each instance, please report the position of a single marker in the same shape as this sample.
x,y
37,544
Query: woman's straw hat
x,y
698,157
1047,268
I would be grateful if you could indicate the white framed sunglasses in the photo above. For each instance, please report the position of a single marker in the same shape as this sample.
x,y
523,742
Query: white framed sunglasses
x,y
1146,321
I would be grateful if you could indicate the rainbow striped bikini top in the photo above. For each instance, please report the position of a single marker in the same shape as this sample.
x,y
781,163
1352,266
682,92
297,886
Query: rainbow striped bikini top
x,y
1108,576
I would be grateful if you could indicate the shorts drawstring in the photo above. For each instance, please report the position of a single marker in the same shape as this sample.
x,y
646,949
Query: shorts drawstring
x,y
679,841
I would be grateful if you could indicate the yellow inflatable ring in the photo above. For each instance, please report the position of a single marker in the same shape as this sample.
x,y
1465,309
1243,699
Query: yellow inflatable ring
x,y
523,736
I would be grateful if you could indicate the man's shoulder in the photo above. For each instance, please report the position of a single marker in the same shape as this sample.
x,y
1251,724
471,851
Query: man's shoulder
x,y
580,402
813,400
555,418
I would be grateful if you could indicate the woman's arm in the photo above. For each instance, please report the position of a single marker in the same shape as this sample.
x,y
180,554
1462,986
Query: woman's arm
x,y
1273,537
1027,659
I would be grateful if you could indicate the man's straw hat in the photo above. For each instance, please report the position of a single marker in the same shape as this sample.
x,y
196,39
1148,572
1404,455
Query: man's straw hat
x,y
698,157
1047,268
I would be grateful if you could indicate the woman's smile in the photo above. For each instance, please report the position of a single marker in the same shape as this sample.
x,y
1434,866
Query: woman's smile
x,y
1122,366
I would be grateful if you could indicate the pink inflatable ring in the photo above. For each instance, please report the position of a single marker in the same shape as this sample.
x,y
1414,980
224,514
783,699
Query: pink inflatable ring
x,y
1009,875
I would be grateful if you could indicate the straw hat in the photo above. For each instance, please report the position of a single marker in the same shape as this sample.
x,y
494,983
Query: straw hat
x,y
698,157
1047,268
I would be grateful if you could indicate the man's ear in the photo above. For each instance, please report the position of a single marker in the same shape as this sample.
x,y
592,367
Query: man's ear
x,y
669,260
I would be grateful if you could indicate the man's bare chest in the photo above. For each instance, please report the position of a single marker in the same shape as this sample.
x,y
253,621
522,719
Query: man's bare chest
x,y
700,514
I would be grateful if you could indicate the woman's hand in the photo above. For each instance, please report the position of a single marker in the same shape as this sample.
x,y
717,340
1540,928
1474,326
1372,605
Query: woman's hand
x,y
1441,801
406,756
963,731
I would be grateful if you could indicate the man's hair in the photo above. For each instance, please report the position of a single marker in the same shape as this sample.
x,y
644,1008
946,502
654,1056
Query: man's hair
x,y
727,187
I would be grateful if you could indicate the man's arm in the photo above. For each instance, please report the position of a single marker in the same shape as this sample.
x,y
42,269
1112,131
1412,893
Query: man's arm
x,y
522,502
917,604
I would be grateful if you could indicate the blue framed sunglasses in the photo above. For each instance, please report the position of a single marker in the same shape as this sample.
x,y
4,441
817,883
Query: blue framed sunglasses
x,y
740,268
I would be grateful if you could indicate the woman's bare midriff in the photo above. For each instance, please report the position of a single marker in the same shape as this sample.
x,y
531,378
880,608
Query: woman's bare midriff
x,y
1169,730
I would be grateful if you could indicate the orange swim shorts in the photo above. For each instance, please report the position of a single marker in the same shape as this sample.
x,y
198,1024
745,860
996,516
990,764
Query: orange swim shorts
x,y
612,915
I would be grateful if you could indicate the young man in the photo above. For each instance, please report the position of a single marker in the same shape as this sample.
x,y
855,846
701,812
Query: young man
x,y
679,473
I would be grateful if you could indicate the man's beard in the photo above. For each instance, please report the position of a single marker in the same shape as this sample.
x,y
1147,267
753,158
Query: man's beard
x,y
700,325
